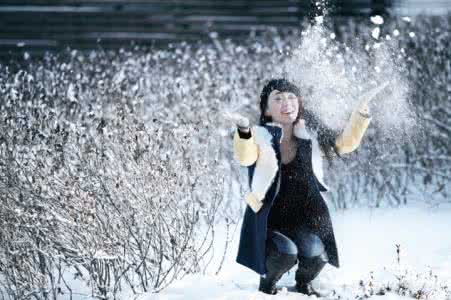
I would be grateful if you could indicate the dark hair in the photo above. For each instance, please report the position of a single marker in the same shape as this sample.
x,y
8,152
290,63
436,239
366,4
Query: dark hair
x,y
282,85
326,135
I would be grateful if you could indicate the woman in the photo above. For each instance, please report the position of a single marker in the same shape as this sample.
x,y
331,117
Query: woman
x,y
287,220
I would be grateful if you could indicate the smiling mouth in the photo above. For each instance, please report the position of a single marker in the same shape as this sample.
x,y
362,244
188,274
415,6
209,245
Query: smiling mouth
x,y
287,113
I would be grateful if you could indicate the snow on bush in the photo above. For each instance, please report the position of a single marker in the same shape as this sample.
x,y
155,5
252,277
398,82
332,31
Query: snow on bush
x,y
91,192
399,280
114,164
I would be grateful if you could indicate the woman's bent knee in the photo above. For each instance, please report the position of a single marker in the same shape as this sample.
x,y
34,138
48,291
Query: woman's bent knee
x,y
309,245
282,244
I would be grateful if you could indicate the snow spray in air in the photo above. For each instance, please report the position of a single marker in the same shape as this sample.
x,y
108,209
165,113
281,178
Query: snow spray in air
x,y
335,77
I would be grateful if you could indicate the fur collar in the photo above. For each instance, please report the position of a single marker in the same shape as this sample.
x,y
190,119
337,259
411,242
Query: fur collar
x,y
267,165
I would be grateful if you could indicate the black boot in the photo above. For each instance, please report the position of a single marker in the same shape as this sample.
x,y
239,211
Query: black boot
x,y
267,286
307,289
308,269
276,264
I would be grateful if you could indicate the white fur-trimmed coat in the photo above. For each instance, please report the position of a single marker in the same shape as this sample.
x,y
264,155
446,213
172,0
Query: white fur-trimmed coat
x,y
258,153
258,149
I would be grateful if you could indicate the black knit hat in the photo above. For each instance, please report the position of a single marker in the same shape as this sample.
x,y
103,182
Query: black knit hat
x,y
282,85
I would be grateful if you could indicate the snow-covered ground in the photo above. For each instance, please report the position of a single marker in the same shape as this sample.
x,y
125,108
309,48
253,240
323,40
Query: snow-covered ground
x,y
367,242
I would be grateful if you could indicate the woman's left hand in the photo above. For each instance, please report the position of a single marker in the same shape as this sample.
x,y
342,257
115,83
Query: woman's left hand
x,y
363,107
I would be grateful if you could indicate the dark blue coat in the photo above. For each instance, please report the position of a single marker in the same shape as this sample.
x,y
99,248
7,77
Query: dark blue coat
x,y
251,250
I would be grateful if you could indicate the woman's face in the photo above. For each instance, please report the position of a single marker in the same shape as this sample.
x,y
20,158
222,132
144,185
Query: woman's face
x,y
282,107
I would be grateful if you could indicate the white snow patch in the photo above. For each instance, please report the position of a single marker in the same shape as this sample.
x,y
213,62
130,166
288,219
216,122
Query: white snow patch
x,y
319,19
366,241
375,33
378,20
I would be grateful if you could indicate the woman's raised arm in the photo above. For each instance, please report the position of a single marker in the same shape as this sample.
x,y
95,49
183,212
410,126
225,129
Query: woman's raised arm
x,y
245,150
352,135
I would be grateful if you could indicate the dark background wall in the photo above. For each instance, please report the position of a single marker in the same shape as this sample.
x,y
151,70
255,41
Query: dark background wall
x,y
41,25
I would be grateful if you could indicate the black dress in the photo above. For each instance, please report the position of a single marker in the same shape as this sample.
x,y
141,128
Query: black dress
x,y
291,209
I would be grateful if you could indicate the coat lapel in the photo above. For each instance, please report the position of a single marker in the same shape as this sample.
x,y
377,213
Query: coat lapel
x,y
305,135
266,165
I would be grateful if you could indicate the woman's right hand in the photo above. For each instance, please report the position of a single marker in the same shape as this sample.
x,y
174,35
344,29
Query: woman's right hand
x,y
240,121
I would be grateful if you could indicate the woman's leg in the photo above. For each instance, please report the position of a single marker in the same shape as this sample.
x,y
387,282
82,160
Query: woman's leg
x,y
312,257
281,256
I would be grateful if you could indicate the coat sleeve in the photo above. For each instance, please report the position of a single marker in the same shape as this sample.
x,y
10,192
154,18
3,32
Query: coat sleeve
x,y
245,150
352,135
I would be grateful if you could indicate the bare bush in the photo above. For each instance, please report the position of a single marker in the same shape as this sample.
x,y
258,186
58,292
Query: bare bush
x,y
115,166
107,200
